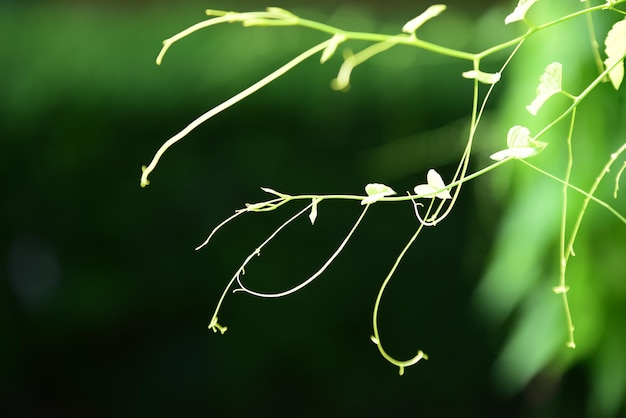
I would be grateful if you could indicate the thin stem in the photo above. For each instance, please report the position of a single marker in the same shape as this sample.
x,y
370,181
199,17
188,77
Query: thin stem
x,y
579,190
595,47
241,270
564,253
226,104
617,177
402,364
294,289
219,226
403,39
342,82
475,120
589,196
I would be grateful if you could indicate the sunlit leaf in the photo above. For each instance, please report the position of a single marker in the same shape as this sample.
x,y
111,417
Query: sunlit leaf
x,y
376,191
373,189
520,11
433,11
615,43
549,84
435,182
520,145
518,137
486,78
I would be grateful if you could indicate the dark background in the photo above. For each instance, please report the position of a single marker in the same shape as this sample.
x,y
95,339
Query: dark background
x,y
104,303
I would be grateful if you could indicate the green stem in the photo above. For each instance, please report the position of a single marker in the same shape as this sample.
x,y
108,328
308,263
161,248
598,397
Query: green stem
x,y
294,289
589,196
402,364
564,253
241,270
579,190
146,170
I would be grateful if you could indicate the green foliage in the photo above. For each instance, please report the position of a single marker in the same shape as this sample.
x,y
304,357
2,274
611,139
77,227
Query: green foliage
x,y
440,197
615,51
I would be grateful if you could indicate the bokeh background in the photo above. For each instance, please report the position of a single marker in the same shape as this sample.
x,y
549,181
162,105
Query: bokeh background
x,y
104,303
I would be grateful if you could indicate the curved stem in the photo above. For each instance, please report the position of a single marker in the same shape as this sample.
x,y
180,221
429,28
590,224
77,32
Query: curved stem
x,y
565,252
146,170
402,364
294,289
241,270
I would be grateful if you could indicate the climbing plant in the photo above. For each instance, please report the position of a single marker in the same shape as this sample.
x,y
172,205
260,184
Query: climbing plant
x,y
433,199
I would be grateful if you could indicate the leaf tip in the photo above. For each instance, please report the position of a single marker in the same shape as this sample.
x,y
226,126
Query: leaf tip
x,y
519,13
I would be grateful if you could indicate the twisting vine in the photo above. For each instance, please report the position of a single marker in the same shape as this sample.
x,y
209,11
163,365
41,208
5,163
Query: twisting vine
x,y
441,196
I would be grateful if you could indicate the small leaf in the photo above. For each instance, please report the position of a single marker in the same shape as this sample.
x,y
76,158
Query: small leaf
x,y
520,11
549,84
435,182
520,145
313,214
518,137
615,43
519,153
486,78
329,51
377,188
376,191
433,11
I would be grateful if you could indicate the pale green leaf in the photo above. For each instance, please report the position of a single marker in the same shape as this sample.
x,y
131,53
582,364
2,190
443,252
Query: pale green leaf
x,y
486,78
423,190
520,145
329,51
615,43
433,11
518,137
378,188
519,153
434,183
520,11
549,84
376,191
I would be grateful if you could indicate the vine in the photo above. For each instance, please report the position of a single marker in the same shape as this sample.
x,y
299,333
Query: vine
x,y
440,197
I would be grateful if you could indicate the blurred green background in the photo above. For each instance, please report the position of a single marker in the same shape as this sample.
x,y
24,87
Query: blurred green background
x,y
104,302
